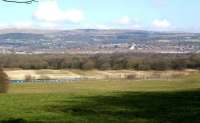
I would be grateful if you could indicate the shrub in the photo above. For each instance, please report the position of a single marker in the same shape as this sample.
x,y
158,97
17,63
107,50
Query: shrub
x,y
88,65
131,76
4,82
28,78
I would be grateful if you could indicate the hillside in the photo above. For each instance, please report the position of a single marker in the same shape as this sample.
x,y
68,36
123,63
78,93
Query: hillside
x,y
97,41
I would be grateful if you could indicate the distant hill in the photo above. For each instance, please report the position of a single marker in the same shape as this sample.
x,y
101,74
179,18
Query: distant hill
x,y
29,40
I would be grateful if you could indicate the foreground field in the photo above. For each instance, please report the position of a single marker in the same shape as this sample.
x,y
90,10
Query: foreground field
x,y
103,101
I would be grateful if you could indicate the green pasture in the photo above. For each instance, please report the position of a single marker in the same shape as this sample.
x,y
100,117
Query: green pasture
x,y
103,101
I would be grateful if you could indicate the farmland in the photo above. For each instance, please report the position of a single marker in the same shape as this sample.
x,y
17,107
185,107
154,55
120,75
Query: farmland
x,y
104,101
19,74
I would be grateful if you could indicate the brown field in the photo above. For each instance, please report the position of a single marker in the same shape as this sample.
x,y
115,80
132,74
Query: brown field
x,y
96,74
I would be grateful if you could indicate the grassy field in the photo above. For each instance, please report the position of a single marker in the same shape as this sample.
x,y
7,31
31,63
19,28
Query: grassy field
x,y
104,101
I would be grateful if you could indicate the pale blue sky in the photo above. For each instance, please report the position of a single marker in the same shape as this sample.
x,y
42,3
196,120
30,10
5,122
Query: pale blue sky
x,y
176,15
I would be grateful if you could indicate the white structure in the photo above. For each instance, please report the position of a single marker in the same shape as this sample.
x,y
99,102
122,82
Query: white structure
x,y
133,46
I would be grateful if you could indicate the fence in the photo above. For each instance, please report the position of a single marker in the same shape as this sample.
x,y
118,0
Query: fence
x,y
48,80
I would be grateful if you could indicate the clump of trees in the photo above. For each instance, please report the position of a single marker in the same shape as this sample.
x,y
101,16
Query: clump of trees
x,y
116,61
4,82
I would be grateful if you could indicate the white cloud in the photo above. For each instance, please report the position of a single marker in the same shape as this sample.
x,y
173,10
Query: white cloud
x,y
74,15
3,26
25,24
161,24
134,26
102,26
124,20
50,11
31,25
96,26
48,25
18,25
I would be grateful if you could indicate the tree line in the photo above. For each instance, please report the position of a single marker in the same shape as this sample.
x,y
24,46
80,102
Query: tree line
x,y
116,61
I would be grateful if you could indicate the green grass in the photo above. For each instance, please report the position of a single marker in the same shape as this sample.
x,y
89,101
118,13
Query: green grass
x,y
103,101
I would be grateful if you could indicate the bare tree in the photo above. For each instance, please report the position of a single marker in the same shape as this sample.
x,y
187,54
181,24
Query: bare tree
x,y
24,1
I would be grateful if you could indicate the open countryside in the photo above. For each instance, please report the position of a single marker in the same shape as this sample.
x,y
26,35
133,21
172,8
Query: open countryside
x,y
99,61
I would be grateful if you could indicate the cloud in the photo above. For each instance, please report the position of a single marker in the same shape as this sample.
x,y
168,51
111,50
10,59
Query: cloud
x,y
101,26
95,26
48,25
18,25
161,24
31,25
49,11
124,20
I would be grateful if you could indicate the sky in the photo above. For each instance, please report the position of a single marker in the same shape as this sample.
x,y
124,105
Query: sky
x,y
159,15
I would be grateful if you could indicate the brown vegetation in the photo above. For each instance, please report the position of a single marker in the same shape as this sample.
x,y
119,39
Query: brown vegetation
x,y
4,82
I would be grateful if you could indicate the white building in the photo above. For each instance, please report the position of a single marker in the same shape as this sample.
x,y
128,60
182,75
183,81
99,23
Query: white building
x,y
133,47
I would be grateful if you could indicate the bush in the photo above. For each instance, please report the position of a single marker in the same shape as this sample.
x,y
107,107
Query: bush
x,y
131,76
88,65
29,78
4,82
